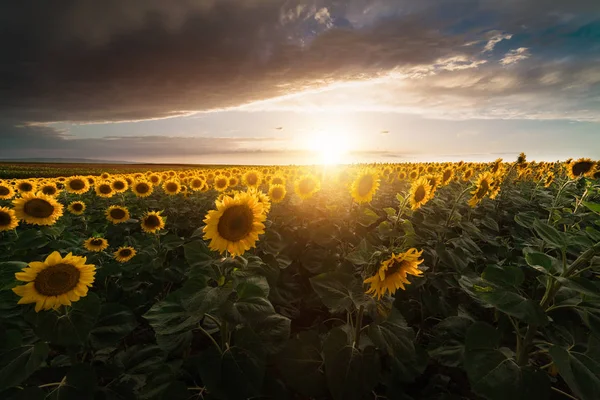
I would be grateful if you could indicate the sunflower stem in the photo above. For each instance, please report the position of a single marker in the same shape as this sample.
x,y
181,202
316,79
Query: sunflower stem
x,y
557,198
358,326
460,196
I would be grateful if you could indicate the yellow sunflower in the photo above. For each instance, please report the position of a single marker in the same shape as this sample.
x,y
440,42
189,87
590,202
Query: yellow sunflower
x,y
95,244
8,219
365,186
235,225
263,199
277,193
154,178
392,274
581,167
104,189
38,209
171,187
152,222
119,185
197,184
482,188
233,181
278,180
6,191
76,207
26,186
124,254
221,183
50,189
447,175
142,188
306,186
467,175
548,179
252,178
54,282
420,193
117,214
77,185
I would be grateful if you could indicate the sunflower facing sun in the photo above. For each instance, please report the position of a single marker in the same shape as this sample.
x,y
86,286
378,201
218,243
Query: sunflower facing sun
x,y
235,225
38,209
365,186
54,282
392,273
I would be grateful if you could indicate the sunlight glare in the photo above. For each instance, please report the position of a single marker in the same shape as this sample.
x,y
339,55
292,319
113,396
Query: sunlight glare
x,y
331,146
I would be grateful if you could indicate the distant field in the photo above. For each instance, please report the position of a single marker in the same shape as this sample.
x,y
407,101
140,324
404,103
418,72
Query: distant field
x,y
388,281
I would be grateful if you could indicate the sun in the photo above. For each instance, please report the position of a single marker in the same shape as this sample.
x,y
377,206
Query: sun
x,y
331,146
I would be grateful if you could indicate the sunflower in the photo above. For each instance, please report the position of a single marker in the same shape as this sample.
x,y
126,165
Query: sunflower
x,y
6,191
197,184
119,185
142,188
49,189
420,193
104,189
306,186
117,214
252,178
414,174
152,222
548,179
365,186
95,244
581,167
392,273
54,282
77,185
25,186
76,207
233,181
124,254
467,175
38,209
235,225
447,175
483,186
522,158
263,199
277,193
154,178
278,180
8,220
221,183
171,187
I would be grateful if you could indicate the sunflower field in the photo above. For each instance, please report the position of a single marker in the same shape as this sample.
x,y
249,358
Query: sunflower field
x,y
379,281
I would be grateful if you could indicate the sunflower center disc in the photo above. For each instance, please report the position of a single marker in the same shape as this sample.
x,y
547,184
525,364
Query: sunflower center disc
x,y
252,179
582,168
365,185
306,186
397,267
277,193
57,280
419,194
152,221
105,189
171,187
5,218
118,185
117,213
4,191
76,184
235,223
483,189
142,188
25,187
125,253
96,242
38,208
77,207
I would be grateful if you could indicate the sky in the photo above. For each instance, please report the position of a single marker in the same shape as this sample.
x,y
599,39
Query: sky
x,y
299,82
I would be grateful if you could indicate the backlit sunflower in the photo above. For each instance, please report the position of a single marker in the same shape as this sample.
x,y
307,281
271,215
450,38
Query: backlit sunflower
x,y
171,187
77,185
233,181
221,183
38,209
467,175
306,186
152,222
364,186
54,282
49,189
581,167
235,225
277,193
95,244
76,207
8,219
119,185
447,175
278,180
124,254
104,189
25,186
252,178
6,191
142,188
482,188
392,274
420,193
262,198
117,214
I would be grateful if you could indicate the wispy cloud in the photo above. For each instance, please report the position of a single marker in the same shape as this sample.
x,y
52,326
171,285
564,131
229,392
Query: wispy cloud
x,y
516,55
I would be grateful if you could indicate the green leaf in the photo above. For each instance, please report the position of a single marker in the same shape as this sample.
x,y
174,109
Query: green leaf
x,y
199,257
581,285
507,276
526,219
367,217
550,235
301,365
18,364
579,371
273,331
114,323
350,373
541,262
80,384
447,345
595,207
7,274
71,329
495,376
338,290
360,255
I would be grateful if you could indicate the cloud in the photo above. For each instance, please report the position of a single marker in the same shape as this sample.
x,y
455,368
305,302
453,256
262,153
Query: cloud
x,y
495,39
513,56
